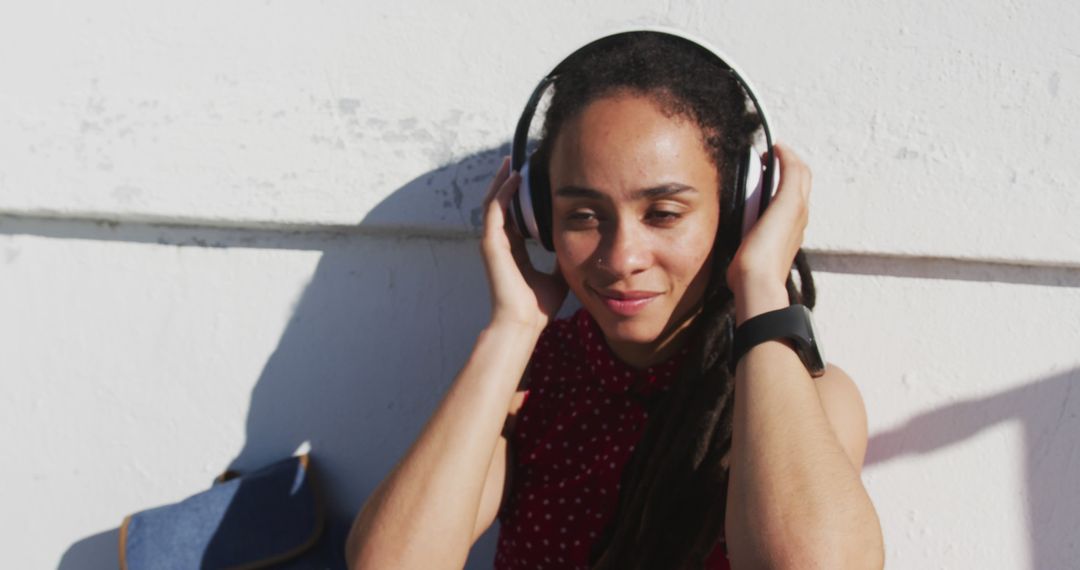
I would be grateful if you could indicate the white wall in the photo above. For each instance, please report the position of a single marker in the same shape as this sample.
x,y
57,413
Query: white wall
x,y
229,228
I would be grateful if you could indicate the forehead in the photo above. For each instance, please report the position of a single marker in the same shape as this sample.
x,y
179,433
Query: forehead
x,y
623,142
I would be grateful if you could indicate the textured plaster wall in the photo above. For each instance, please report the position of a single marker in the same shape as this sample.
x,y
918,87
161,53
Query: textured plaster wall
x,y
227,229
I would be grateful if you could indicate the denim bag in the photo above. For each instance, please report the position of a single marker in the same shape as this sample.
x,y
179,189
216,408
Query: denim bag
x,y
257,520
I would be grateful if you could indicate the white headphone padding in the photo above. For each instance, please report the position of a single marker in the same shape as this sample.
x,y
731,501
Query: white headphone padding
x,y
525,199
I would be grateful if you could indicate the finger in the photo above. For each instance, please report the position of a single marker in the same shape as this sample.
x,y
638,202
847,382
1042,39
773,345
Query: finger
x,y
793,193
495,216
506,193
803,183
497,182
518,250
793,170
788,209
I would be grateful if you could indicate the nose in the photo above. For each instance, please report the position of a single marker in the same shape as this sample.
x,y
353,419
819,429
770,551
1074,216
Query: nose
x,y
623,251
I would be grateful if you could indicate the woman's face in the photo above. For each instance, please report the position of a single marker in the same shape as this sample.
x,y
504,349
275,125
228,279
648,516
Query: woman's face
x,y
635,211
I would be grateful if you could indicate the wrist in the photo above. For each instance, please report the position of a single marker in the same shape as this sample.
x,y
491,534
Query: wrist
x,y
511,328
752,300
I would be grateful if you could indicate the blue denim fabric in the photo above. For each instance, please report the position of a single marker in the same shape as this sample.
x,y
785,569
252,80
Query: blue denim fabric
x,y
327,554
262,516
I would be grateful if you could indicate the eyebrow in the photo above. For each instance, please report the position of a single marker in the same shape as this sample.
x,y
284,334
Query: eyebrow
x,y
645,193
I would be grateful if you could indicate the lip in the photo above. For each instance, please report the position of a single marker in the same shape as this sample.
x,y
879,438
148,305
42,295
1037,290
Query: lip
x,y
625,303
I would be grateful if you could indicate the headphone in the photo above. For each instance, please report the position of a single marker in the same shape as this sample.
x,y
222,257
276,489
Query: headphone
x,y
530,209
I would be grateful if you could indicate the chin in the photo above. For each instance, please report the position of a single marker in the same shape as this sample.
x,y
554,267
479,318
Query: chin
x,y
636,333
643,328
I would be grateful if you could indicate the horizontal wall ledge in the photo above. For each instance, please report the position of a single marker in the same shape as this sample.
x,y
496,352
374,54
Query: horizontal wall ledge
x,y
262,234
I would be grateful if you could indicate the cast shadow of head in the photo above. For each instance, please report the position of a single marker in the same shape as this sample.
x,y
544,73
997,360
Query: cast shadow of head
x,y
387,320
376,337
1050,419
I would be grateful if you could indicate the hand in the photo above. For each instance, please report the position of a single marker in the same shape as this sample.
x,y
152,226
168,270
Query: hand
x,y
761,266
520,294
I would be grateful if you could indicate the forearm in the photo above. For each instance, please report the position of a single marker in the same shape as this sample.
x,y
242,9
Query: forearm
x,y
422,514
800,502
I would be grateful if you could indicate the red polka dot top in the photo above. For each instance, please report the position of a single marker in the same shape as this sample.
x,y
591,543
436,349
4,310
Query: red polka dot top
x,y
582,416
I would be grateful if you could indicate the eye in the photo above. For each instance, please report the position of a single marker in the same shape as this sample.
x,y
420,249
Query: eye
x,y
663,217
581,218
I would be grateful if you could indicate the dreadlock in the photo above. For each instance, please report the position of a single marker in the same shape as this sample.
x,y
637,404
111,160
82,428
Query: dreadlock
x,y
673,492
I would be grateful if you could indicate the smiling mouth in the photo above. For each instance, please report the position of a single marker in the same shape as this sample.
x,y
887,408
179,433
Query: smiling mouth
x,y
625,303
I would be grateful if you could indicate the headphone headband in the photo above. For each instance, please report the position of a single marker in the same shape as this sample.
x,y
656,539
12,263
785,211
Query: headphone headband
x,y
518,153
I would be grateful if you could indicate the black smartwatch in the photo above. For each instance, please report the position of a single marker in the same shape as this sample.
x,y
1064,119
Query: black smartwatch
x,y
794,323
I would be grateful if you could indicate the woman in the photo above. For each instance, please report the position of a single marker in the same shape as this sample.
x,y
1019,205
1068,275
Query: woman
x,y
635,438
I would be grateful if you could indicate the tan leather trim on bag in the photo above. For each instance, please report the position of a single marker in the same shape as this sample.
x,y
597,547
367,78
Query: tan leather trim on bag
x,y
226,476
123,542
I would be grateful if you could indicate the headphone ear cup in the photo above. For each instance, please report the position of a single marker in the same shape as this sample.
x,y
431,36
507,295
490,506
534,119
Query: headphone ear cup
x,y
531,207
521,213
540,193
750,181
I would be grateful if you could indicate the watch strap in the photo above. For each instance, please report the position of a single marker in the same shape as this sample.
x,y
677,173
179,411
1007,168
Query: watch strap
x,y
792,322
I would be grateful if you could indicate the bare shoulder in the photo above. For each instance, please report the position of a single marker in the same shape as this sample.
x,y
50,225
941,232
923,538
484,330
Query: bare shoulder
x,y
843,404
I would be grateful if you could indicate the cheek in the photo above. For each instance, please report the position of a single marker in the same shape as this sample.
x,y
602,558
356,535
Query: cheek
x,y
688,265
573,249
691,255
575,271
570,254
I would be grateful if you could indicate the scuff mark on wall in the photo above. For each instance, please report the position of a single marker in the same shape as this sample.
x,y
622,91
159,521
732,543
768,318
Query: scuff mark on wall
x,y
348,106
458,195
907,154
126,194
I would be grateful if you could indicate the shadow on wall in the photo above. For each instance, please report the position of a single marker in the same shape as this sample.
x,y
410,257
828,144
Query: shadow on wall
x,y
93,553
374,341
1050,420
